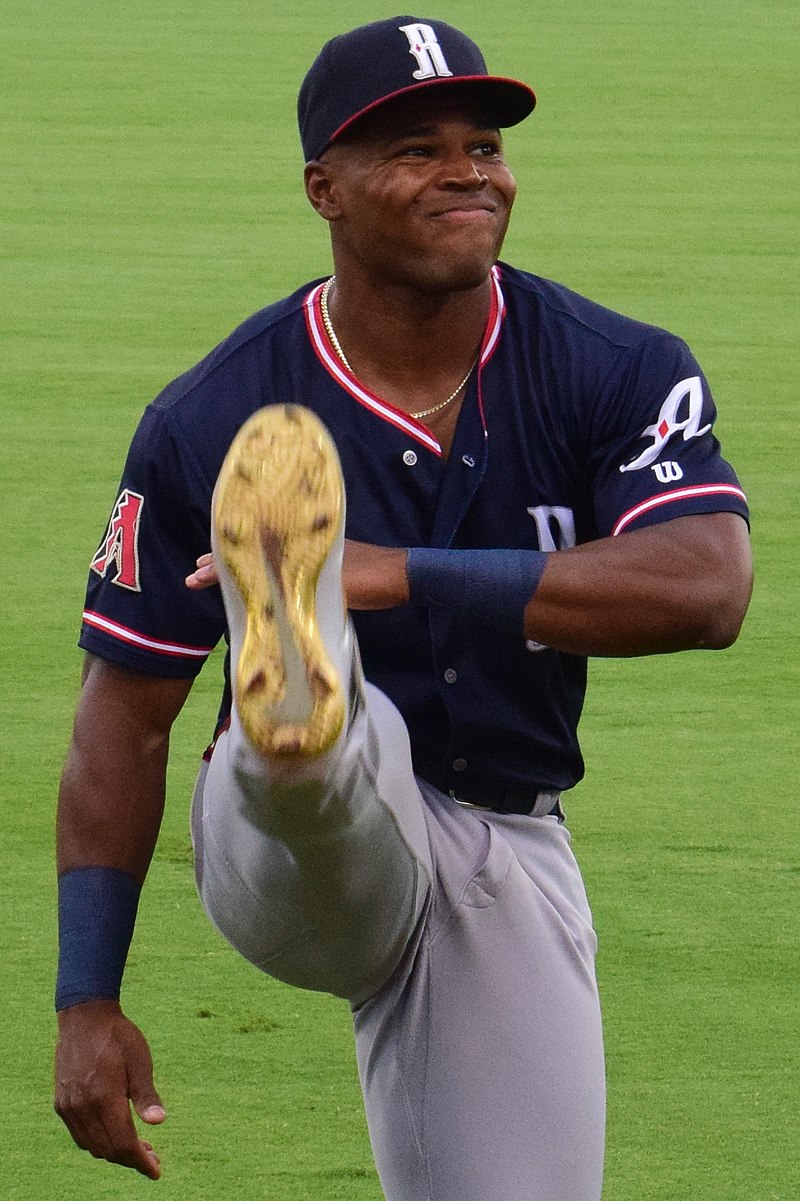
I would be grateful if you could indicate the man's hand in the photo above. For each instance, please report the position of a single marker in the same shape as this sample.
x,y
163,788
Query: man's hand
x,y
374,577
103,1065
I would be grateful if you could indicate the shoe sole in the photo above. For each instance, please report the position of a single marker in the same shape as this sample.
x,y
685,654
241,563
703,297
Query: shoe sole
x,y
277,514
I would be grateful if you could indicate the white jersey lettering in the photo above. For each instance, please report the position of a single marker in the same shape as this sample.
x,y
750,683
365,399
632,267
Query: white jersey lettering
x,y
668,424
555,526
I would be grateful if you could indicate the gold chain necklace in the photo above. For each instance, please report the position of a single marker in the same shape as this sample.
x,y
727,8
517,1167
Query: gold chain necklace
x,y
331,332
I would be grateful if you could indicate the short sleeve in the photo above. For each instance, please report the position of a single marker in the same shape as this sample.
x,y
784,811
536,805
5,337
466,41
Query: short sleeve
x,y
139,612
655,455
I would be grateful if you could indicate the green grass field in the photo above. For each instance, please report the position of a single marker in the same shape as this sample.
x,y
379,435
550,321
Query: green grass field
x,y
150,200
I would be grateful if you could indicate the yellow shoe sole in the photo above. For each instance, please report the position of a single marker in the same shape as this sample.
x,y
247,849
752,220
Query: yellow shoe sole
x,y
279,507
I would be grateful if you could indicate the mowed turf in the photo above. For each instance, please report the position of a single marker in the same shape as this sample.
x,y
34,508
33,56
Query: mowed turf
x,y
150,200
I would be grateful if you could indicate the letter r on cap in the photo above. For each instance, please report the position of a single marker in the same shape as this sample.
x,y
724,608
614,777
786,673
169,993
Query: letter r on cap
x,y
426,50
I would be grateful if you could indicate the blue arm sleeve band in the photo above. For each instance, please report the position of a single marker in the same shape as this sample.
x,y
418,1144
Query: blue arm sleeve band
x,y
96,915
489,586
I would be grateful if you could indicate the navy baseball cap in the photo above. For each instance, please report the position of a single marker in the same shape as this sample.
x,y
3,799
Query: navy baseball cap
x,y
360,70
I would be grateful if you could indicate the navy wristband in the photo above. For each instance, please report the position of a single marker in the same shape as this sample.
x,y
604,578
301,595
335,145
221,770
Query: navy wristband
x,y
489,586
96,915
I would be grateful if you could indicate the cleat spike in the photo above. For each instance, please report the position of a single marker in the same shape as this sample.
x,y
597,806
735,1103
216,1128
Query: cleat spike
x,y
257,684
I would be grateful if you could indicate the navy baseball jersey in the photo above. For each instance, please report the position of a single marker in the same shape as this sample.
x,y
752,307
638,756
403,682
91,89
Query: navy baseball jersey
x,y
578,424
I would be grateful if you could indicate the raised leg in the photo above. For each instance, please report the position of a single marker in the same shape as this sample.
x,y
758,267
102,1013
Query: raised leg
x,y
311,848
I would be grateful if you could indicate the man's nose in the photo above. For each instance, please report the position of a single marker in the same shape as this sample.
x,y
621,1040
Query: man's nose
x,y
463,171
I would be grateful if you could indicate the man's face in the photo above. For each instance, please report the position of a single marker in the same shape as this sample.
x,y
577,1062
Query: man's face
x,y
419,195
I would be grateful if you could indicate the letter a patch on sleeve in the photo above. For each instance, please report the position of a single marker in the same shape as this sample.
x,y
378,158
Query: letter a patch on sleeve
x,y
120,546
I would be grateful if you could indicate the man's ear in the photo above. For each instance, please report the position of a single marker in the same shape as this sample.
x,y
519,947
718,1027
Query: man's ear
x,y
321,189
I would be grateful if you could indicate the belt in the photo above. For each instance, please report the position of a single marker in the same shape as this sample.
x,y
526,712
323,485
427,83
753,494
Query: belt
x,y
545,803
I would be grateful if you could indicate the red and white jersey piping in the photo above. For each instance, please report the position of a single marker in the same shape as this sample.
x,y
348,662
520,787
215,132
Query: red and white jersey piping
x,y
387,412
125,634
665,498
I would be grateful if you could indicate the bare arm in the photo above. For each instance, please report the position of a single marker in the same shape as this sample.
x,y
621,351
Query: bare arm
x,y
682,584
112,788
110,806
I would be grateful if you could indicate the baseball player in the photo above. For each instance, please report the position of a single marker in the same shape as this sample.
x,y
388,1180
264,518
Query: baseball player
x,y
433,484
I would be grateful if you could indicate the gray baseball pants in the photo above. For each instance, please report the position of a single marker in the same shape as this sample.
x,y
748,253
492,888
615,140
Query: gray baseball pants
x,y
461,938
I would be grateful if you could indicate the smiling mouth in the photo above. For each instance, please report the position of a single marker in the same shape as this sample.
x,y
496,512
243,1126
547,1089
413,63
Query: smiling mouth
x,y
465,212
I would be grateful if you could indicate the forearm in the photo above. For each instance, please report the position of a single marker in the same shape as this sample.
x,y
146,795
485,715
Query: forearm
x,y
677,586
111,798
110,818
648,592
109,813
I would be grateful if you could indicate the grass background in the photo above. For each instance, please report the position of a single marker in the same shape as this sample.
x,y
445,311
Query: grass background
x,y
150,200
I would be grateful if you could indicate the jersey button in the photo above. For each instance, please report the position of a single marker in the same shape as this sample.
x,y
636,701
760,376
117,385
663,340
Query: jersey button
x,y
459,765
409,458
450,675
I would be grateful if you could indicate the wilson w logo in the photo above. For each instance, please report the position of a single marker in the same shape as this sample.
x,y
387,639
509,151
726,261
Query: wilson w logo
x,y
668,472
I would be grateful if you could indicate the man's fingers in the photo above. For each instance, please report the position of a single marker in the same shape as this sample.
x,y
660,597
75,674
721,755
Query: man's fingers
x,y
77,1128
152,1114
133,1152
105,1129
205,575
122,1144
143,1158
141,1088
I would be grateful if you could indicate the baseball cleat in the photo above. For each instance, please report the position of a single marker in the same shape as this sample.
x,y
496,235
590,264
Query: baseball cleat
x,y
277,522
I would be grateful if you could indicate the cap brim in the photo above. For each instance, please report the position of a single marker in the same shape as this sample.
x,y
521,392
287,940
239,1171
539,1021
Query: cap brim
x,y
507,101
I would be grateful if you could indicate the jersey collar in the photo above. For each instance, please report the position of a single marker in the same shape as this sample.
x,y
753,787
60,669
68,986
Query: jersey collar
x,y
381,408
